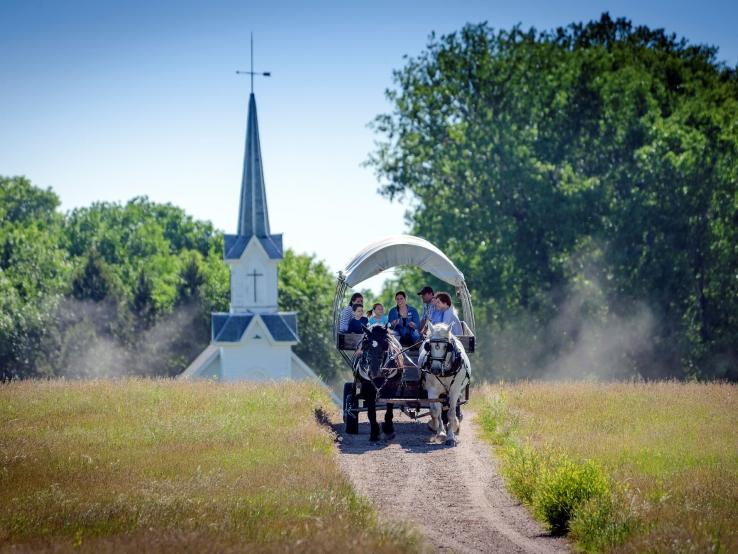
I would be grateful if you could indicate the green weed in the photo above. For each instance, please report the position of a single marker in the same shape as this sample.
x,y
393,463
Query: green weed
x,y
628,467
564,488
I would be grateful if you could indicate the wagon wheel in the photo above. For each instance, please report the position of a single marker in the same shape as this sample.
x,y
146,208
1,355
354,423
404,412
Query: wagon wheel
x,y
350,409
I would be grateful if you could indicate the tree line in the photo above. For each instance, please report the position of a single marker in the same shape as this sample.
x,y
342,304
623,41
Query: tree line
x,y
585,181
127,289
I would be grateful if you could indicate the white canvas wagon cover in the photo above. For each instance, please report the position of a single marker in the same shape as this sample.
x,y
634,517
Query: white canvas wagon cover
x,y
401,250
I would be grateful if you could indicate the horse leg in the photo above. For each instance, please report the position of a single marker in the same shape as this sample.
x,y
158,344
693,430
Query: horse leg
x,y
453,422
436,410
388,426
370,399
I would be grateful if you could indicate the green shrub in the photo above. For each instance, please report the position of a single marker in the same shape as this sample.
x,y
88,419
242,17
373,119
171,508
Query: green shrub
x,y
497,420
604,521
522,469
563,488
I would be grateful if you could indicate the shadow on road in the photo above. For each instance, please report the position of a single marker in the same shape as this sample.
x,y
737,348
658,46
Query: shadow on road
x,y
411,435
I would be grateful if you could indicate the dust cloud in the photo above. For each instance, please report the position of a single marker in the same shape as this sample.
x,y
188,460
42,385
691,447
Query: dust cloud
x,y
101,340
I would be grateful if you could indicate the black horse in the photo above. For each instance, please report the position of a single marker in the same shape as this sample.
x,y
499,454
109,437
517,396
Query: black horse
x,y
378,364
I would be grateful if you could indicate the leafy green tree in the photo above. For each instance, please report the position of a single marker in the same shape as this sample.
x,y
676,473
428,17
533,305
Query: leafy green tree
x,y
192,277
307,287
601,155
34,273
142,304
21,202
94,282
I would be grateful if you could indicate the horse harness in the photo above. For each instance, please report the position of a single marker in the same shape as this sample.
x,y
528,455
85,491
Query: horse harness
x,y
446,370
386,375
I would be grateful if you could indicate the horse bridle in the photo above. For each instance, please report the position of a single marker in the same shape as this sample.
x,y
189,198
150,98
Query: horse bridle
x,y
455,365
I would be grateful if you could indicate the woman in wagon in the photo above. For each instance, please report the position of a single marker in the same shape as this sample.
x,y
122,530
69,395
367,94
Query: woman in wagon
x,y
377,315
444,313
405,320
358,321
347,313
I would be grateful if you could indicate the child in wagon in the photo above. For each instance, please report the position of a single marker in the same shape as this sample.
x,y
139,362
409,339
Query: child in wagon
x,y
358,321
376,315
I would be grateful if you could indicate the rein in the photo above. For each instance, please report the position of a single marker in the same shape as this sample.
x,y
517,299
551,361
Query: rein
x,y
401,352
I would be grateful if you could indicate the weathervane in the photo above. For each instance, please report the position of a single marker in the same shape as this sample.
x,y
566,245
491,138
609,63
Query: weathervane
x,y
252,72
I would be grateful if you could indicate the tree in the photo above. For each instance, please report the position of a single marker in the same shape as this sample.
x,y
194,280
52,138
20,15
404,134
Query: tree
x,y
34,273
307,287
593,157
21,202
94,282
142,304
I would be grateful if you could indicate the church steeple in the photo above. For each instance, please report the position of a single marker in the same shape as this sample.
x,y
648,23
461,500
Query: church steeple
x,y
253,216
253,252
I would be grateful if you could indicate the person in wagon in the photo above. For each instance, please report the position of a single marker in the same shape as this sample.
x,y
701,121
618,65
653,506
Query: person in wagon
x,y
405,320
358,321
429,306
444,313
377,315
347,313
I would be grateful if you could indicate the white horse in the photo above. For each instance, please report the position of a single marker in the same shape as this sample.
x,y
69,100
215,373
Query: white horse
x,y
447,371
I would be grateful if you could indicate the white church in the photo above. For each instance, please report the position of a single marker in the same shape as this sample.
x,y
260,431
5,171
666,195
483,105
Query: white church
x,y
253,341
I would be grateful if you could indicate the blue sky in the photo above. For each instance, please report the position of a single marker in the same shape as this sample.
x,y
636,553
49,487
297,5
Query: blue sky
x,y
107,100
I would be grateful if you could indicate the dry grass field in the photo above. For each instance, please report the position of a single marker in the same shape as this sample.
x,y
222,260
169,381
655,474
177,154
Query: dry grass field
x,y
638,467
141,465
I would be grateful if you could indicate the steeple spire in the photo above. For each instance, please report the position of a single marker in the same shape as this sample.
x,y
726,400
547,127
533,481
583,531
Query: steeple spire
x,y
253,216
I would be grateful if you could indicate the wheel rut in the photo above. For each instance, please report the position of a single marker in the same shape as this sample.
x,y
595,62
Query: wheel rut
x,y
453,495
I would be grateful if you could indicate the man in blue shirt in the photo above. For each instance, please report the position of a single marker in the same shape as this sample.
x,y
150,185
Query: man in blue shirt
x,y
429,307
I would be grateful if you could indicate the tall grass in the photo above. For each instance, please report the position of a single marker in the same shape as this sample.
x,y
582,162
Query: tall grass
x,y
160,465
663,459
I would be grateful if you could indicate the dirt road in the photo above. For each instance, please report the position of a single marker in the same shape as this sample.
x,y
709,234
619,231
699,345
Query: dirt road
x,y
454,495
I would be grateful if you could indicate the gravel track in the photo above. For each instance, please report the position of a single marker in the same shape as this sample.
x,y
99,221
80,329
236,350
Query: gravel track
x,y
453,495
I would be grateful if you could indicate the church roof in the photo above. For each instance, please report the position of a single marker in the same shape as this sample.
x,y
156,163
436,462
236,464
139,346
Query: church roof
x,y
234,245
228,327
281,326
253,216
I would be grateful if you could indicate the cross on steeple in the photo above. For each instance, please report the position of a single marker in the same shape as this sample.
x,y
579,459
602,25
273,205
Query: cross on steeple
x,y
254,274
252,72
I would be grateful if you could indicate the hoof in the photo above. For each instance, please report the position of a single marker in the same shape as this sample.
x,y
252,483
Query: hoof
x,y
451,442
374,438
389,436
438,439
